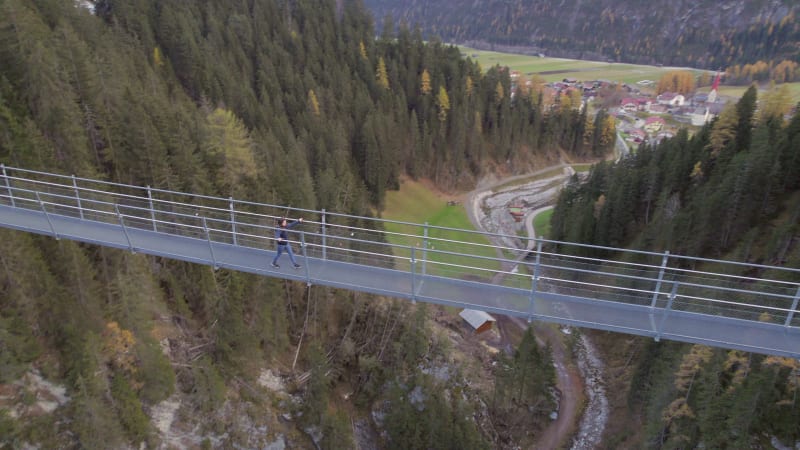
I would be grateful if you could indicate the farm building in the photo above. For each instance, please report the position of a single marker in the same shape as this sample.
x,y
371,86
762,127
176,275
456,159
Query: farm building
x,y
516,212
480,321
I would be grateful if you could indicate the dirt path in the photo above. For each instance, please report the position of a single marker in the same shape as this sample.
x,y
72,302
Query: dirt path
x,y
568,381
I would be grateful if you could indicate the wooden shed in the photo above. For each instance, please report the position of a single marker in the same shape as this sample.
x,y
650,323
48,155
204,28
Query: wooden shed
x,y
480,321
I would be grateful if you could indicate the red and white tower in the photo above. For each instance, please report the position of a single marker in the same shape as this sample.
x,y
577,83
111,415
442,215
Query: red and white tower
x,y
712,96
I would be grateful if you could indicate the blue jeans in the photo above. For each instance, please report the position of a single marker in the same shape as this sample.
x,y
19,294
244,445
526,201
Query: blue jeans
x,y
284,248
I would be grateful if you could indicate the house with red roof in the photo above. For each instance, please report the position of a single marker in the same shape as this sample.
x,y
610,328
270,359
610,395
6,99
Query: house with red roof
x,y
654,124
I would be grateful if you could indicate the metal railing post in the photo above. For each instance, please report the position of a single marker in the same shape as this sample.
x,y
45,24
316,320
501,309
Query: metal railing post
x,y
324,236
535,279
657,290
413,275
210,245
124,228
47,216
790,316
152,210
233,220
305,257
424,248
77,196
667,310
8,186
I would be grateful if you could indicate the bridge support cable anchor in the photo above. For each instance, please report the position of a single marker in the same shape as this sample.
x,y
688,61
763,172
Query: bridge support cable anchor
x,y
535,278
233,220
77,196
660,278
324,236
305,257
667,310
152,209
413,276
8,186
792,310
210,245
124,228
47,216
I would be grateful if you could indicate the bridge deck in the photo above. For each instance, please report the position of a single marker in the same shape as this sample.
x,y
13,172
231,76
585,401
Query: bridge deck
x,y
549,302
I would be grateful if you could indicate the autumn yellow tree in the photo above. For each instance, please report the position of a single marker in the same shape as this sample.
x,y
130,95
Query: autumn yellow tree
x,y
571,99
313,103
118,348
775,103
785,72
158,57
362,50
381,75
608,131
679,81
425,82
724,130
443,103
499,93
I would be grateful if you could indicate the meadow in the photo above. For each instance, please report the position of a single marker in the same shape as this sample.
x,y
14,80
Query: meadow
x,y
556,69
416,203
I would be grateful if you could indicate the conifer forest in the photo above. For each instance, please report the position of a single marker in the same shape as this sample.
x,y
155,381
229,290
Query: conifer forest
x,y
307,103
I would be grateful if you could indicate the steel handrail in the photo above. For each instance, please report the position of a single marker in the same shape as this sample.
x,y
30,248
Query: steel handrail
x,y
220,229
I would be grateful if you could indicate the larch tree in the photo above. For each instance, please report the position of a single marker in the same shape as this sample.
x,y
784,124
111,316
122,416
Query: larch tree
x,y
381,75
229,146
425,82
443,104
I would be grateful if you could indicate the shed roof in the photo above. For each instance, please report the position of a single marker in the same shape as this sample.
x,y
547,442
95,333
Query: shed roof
x,y
476,318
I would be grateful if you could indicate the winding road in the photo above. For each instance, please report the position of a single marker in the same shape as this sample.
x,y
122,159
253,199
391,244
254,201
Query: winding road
x,y
487,210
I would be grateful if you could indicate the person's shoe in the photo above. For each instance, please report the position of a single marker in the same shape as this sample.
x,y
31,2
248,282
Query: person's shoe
x,y
297,266
275,266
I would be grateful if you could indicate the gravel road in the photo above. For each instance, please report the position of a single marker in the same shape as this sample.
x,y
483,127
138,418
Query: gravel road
x,y
487,208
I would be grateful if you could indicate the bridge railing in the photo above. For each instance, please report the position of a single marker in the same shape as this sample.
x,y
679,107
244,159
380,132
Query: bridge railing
x,y
660,281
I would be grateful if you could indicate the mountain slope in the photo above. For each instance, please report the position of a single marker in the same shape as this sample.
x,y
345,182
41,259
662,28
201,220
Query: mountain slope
x,y
704,33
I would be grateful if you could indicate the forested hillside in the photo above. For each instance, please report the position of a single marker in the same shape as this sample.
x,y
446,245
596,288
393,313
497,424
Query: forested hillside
x,y
730,191
290,102
710,34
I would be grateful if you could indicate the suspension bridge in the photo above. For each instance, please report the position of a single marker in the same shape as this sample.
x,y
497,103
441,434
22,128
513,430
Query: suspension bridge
x,y
727,304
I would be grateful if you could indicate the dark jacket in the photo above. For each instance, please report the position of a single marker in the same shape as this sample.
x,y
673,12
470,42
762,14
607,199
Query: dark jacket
x,y
281,235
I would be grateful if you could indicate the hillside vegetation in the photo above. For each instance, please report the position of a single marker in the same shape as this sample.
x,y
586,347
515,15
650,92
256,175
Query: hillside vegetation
x,y
730,191
291,103
708,34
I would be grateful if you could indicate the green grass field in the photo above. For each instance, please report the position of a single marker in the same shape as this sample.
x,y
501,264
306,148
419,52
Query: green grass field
x,y
415,203
541,223
556,69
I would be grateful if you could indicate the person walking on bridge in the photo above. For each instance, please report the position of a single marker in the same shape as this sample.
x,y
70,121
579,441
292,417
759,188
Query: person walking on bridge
x,y
282,239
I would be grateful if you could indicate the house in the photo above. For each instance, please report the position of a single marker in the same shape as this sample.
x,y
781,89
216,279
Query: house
x,y
480,321
657,109
654,124
664,135
636,135
629,104
671,99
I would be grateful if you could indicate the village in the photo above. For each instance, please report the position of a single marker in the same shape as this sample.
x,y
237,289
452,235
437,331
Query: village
x,y
641,114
